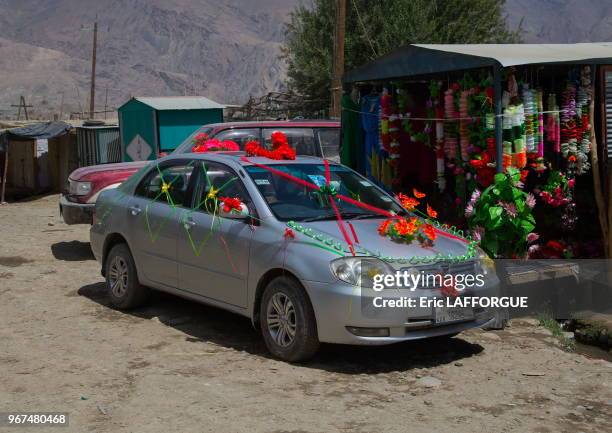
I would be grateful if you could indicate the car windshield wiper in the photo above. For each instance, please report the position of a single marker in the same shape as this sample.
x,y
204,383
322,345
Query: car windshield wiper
x,y
346,215
362,216
319,218
359,215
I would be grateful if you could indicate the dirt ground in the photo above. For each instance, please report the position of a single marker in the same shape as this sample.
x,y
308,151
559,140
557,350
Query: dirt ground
x,y
182,367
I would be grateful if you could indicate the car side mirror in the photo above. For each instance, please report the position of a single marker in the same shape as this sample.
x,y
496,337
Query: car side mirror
x,y
235,214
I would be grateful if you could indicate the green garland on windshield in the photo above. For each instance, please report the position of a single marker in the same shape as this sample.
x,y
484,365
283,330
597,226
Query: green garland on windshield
x,y
336,246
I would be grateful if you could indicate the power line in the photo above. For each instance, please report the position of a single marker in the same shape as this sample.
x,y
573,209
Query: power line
x,y
365,32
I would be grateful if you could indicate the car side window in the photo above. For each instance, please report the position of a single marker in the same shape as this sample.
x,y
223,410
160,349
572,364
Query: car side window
x,y
167,183
330,143
301,139
218,181
239,136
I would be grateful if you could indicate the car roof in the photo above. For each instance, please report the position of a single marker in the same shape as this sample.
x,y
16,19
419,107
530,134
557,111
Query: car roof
x,y
236,158
276,124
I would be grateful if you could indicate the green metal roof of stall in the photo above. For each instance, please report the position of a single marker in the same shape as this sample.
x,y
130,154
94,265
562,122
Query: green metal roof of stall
x,y
179,102
423,59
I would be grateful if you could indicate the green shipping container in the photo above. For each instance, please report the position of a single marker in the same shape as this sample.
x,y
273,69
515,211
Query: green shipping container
x,y
149,126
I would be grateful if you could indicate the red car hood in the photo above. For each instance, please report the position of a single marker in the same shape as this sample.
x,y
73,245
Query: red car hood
x,y
121,168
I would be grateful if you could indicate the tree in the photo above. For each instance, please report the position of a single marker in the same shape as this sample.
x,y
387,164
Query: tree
x,y
375,27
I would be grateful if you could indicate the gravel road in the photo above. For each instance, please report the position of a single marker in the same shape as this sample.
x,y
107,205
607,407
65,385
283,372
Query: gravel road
x,y
182,367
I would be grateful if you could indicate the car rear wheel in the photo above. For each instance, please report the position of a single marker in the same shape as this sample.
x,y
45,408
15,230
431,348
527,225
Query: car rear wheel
x,y
122,280
287,321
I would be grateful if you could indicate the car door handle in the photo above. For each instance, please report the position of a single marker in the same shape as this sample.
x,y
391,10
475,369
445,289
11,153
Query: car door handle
x,y
135,210
188,223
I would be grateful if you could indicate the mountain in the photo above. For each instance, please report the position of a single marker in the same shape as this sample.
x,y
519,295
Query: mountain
x,y
561,21
223,49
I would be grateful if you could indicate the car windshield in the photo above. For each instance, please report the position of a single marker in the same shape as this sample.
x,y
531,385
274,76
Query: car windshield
x,y
187,145
291,201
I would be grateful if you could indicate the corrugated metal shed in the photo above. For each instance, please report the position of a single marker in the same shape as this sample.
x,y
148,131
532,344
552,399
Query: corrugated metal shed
x,y
98,144
150,125
422,59
180,102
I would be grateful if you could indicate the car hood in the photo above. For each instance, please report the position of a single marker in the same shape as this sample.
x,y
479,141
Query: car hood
x,y
369,239
133,166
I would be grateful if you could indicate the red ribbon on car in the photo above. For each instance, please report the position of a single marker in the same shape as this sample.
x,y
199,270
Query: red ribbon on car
x,y
327,190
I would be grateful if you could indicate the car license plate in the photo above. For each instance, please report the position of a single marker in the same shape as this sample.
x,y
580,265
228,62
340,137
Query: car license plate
x,y
453,314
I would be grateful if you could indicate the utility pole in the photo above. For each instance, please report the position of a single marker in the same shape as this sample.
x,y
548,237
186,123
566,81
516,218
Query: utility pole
x,y
105,102
338,60
22,104
79,99
92,91
61,113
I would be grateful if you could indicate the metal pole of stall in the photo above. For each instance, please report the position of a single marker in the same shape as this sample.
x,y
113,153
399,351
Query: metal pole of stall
x,y
4,173
497,87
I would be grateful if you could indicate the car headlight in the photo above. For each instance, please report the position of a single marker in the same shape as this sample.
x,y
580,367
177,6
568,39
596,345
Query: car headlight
x,y
79,188
359,271
487,264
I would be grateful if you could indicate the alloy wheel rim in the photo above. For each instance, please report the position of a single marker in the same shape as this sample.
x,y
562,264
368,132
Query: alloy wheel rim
x,y
281,319
118,276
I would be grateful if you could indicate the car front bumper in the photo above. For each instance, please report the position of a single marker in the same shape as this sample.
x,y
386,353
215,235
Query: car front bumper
x,y
339,306
76,213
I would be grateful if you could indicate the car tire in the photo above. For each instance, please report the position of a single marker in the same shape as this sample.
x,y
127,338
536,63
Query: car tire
x,y
124,289
286,295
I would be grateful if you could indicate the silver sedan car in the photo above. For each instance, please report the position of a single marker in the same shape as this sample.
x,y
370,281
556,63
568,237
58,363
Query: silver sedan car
x,y
234,233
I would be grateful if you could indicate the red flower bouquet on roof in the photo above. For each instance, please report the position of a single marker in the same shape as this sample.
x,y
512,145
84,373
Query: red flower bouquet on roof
x,y
280,148
202,143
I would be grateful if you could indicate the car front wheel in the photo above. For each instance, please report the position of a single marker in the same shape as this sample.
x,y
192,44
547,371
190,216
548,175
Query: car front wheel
x,y
122,280
287,321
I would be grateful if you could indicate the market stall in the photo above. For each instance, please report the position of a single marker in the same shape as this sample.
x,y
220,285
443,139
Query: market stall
x,y
35,158
503,138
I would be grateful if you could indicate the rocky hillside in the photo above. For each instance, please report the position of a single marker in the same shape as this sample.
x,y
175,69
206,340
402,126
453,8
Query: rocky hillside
x,y
562,21
223,49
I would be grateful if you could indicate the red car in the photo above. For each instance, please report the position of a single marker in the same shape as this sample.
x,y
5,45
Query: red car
x,y
317,138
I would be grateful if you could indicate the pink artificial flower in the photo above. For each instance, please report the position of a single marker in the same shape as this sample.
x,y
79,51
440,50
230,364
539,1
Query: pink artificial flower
x,y
475,196
477,233
469,210
510,208
532,237
571,183
530,200
533,249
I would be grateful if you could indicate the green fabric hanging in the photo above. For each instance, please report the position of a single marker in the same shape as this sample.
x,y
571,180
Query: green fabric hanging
x,y
351,132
